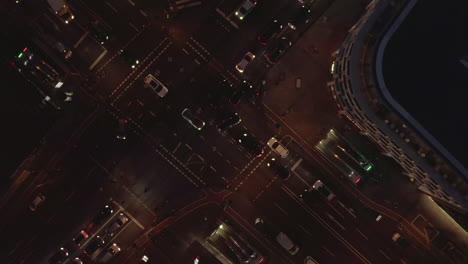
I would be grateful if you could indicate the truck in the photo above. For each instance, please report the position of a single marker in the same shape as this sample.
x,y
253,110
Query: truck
x,y
62,10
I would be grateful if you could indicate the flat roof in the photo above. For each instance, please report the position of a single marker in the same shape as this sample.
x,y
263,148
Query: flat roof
x,y
425,68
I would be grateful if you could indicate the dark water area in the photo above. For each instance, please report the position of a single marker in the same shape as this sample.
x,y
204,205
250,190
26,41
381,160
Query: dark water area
x,y
424,73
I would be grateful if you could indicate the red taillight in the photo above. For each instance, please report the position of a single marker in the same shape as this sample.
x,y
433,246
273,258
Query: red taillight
x,y
262,260
25,49
358,180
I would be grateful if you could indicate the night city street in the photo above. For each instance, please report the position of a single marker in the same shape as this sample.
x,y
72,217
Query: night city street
x,y
217,131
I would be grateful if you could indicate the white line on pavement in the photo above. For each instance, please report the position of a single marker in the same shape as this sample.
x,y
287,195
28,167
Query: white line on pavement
x,y
327,250
113,8
307,231
130,1
143,13
133,26
282,210
178,145
362,234
81,39
97,60
383,253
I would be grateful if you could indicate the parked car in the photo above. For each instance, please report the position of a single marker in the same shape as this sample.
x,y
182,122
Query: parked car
x,y
103,215
275,55
94,245
77,261
117,224
99,31
302,17
193,120
59,257
110,253
248,58
81,237
287,243
237,95
279,169
130,59
251,144
122,129
245,8
324,190
229,122
40,198
276,146
155,85
223,90
272,29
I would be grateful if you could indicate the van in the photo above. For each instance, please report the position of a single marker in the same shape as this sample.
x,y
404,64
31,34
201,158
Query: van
x,y
287,243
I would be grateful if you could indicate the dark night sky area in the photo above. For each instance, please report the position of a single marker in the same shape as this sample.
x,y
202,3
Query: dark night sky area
x,y
424,74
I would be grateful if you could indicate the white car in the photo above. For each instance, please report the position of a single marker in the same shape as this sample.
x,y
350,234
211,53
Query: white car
x,y
77,261
155,85
193,120
110,252
310,260
245,9
37,201
275,145
248,57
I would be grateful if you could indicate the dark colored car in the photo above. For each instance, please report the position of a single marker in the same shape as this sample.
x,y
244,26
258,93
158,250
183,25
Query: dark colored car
x,y
130,59
99,31
229,122
103,215
223,90
302,17
94,245
283,45
273,28
279,169
237,94
252,144
82,236
122,129
59,257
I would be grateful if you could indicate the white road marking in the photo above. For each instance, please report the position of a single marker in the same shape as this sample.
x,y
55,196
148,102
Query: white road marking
x,y
186,52
178,145
143,13
282,210
113,8
334,220
133,26
307,231
327,250
97,60
296,164
130,1
197,62
81,39
188,146
362,234
300,177
383,253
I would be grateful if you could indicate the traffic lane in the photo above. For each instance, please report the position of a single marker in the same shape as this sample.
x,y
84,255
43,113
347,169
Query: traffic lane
x,y
111,15
62,215
307,230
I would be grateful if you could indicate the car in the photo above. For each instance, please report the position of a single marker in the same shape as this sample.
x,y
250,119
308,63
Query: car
x,y
236,96
62,49
245,9
99,32
229,122
94,245
122,129
40,198
103,215
82,236
287,243
223,90
251,144
155,85
354,177
110,252
323,190
193,120
119,222
276,146
130,59
283,45
248,57
59,257
263,227
77,261
272,29
279,169
302,17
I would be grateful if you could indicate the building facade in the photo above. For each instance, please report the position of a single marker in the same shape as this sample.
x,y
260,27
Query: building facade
x,y
359,90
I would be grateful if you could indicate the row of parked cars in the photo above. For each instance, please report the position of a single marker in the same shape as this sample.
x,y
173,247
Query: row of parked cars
x,y
98,241
273,29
